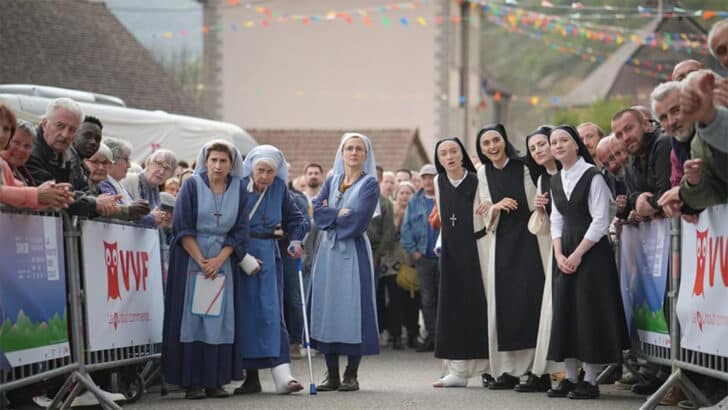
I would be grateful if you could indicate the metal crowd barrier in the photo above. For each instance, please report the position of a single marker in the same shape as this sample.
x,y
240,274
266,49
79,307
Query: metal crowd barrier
x,y
679,358
143,358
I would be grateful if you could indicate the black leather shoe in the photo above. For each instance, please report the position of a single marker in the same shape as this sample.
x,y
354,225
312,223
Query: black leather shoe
x,y
350,382
250,385
194,393
412,341
487,380
331,382
535,384
504,382
584,391
216,392
397,343
426,346
562,389
647,387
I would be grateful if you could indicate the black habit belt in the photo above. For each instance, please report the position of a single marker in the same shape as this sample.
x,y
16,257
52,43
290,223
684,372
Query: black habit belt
x,y
481,233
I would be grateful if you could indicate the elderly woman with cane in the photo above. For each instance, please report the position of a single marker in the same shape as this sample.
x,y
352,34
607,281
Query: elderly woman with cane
x,y
273,215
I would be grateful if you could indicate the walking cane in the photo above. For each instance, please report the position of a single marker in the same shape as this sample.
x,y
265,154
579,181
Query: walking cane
x,y
307,341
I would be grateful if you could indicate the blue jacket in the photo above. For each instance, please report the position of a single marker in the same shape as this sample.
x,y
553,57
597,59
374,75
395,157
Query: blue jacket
x,y
415,225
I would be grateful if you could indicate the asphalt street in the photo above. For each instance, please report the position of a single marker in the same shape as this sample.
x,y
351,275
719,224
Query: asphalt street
x,y
392,380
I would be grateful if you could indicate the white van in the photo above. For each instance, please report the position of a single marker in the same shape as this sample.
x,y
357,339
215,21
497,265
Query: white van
x,y
146,130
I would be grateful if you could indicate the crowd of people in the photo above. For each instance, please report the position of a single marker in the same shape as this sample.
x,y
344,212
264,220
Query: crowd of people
x,y
504,256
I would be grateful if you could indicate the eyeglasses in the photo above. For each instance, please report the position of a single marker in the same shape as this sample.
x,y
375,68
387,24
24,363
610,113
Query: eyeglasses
x,y
99,163
162,165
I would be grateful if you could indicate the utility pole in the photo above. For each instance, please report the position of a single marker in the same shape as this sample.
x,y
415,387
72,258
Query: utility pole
x,y
465,70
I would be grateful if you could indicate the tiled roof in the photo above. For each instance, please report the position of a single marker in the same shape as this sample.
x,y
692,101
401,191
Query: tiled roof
x,y
80,44
393,148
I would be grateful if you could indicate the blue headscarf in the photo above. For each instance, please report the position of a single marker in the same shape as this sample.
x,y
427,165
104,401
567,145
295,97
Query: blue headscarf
x,y
271,155
370,164
237,164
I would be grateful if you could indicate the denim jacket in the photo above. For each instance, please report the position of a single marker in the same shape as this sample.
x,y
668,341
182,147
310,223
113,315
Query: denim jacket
x,y
415,225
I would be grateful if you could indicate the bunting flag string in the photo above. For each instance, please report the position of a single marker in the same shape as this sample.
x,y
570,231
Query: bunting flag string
x,y
573,23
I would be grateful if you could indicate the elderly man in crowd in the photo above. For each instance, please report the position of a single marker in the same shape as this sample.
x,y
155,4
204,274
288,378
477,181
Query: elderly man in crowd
x,y
54,159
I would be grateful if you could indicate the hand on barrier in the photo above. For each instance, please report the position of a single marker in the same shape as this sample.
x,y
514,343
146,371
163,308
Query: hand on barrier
x,y
107,205
720,92
160,217
691,219
643,206
55,195
138,209
670,202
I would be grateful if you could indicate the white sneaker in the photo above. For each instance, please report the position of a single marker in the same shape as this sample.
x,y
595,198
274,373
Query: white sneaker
x,y
89,399
384,339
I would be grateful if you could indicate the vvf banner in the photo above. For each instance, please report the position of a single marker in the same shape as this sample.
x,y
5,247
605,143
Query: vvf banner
x,y
123,281
645,250
33,325
701,305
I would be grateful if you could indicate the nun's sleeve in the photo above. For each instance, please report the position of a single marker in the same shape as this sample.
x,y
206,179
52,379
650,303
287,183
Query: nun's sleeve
x,y
239,235
358,219
324,216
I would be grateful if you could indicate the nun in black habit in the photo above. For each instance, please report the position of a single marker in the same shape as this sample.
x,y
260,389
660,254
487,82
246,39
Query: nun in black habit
x,y
462,334
514,270
588,315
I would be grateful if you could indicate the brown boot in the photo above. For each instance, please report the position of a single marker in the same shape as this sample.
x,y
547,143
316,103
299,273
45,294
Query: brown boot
x,y
350,382
332,380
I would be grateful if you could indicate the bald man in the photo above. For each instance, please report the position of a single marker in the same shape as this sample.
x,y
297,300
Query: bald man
x,y
619,151
685,67
615,176
718,42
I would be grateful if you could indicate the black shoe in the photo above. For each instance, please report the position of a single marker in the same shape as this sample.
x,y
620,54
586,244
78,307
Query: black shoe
x,y
412,342
331,382
397,343
504,382
487,380
426,346
216,392
648,387
195,393
535,384
562,389
584,391
350,382
250,385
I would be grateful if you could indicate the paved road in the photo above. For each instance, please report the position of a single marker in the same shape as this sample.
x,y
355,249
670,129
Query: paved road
x,y
393,380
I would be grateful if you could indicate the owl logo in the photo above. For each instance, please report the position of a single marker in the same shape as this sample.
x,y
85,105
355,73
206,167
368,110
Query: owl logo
x,y
701,252
111,257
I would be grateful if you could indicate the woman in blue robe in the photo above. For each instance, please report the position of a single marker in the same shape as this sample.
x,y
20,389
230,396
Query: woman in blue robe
x,y
210,238
343,309
273,215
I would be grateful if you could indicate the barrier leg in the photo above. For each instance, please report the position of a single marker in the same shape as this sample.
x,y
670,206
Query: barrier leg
x,y
65,388
606,373
75,391
654,400
692,392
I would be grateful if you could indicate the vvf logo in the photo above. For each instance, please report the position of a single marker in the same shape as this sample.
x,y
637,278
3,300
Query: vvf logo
x,y
711,252
130,263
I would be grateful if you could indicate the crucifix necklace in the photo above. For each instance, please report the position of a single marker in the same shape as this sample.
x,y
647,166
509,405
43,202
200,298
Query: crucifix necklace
x,y
453,219
218,209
